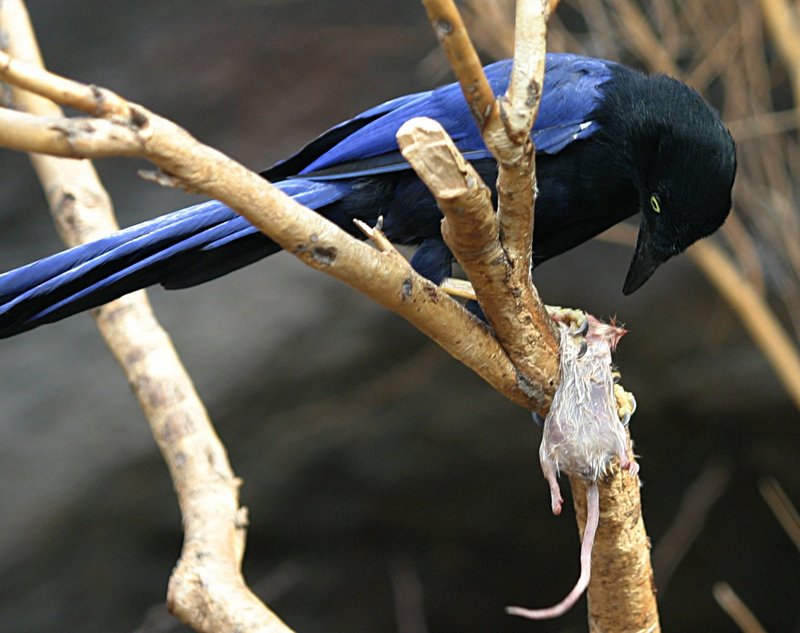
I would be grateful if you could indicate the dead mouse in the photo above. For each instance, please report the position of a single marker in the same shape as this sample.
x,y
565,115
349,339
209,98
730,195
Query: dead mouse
x,y
582,434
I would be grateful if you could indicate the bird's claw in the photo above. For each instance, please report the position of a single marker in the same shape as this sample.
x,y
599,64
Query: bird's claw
x,y
577,320
626,404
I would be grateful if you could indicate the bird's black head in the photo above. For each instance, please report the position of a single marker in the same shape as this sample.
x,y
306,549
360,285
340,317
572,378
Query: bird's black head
x,y
683,161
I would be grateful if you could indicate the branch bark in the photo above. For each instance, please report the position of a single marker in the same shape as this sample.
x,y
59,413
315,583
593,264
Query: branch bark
x,y
495,251
132,130
206,589
521,361
622,593
472,231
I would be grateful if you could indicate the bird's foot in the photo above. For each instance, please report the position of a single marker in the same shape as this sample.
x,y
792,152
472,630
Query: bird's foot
x,y
626,404
577,320
578,323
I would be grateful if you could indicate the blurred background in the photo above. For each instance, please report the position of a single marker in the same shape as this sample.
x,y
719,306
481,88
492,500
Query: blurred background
x,y
389,488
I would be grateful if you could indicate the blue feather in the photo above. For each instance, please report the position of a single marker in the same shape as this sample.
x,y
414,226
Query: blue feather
x,y
572,91
208,240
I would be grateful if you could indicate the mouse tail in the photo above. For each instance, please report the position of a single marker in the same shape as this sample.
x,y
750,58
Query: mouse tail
x,y
592,521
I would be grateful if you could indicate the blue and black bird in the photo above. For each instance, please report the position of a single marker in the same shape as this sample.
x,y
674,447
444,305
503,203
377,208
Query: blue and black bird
x,y
610,141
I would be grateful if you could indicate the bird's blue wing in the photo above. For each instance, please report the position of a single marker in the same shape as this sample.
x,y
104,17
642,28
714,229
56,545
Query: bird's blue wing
x,y
179,249
572,91
208,240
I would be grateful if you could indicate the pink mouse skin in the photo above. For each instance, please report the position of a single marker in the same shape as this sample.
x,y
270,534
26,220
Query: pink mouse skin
x,y
582,435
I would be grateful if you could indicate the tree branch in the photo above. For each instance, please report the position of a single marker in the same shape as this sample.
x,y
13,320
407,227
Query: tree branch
x,y
622,594
206,590
495,249
132,130
472,232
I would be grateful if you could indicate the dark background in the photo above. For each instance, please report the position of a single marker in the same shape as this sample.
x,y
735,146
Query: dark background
x,y
389,488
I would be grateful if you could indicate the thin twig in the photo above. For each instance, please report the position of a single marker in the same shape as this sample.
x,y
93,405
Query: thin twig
x,y
759,320
737,610
782,507
697,502
452,34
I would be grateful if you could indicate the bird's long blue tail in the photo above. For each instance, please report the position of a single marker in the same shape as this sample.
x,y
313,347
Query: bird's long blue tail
x,y
177,250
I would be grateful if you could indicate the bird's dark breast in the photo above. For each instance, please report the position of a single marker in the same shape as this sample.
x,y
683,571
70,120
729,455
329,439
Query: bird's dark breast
x,y
583,190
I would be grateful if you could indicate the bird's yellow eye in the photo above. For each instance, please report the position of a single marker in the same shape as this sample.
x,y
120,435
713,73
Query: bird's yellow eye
x,y
655,203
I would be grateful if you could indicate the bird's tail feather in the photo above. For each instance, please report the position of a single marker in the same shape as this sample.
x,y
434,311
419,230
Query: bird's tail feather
x,y
178,250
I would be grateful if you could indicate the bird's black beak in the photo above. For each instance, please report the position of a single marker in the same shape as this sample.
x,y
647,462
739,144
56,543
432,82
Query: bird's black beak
x,y
644,261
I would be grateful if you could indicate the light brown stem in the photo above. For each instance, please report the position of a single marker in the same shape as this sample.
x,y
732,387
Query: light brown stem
x,y
621,592
387,279
207,590
448,25
472,232
495,249
759,320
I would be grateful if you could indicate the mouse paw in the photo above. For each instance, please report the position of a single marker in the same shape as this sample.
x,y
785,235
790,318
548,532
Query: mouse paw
x,y
631,465
556,501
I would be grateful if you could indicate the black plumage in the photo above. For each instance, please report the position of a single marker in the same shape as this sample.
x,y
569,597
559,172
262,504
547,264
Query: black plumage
x,y
611,142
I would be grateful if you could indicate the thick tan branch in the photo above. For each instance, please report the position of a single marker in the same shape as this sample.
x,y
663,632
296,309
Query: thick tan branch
x,y
206,590
472,232
495,250
315,240
622,595
452,34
